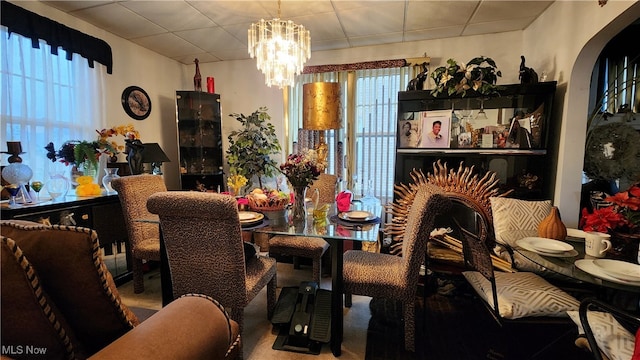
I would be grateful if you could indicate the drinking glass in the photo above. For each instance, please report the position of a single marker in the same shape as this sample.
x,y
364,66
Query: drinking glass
x,y
13,190
37,186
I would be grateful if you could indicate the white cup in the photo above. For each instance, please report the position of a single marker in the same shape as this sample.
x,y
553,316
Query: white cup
x,y
596,244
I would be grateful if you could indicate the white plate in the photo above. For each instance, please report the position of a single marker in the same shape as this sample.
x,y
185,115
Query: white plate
x,y
619,269
549,245
589,267
358,215
247,215
525,244
575,235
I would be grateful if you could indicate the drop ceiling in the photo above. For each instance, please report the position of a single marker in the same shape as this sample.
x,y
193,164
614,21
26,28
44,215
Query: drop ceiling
x,y
217,30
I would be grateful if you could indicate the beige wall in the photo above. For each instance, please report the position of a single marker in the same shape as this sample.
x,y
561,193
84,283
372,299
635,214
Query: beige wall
x,y
564,41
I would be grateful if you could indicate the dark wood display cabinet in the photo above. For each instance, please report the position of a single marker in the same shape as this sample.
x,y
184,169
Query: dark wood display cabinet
x,y
100,213
512,133
200,141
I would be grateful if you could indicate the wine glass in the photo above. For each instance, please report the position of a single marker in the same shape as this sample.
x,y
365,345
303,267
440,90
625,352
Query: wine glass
x,y
37,186
13,190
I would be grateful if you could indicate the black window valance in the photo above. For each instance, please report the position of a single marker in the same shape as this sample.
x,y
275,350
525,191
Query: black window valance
x,y
34,26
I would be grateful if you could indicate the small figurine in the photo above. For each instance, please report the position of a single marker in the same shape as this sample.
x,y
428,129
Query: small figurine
x,y
197,78
527,75
418,82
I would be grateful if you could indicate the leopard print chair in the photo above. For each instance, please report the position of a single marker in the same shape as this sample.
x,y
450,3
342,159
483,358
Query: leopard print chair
x,y
205,252
308,247
396,277
144,238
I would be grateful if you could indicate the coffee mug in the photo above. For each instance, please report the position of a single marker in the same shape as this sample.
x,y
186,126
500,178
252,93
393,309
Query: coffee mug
x,y
596,244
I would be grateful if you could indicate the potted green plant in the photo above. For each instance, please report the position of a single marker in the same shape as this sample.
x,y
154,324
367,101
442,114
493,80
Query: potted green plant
x,y
479,74
251,146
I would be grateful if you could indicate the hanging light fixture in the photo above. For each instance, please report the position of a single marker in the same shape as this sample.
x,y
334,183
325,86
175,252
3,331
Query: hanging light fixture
x,y
281,49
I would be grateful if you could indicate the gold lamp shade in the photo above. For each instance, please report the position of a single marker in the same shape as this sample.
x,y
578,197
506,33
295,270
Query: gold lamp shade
x,y
321,106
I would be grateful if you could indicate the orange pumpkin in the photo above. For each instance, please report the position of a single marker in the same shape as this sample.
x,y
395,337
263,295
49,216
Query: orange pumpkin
x,y
552,227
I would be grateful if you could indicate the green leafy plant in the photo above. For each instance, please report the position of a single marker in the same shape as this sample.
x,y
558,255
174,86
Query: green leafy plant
x,y
250,148
479,74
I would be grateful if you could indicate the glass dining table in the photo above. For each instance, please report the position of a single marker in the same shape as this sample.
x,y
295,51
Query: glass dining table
x,y
335,231
575,267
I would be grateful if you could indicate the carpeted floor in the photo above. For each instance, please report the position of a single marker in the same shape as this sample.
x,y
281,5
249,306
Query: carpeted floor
x,y
455,326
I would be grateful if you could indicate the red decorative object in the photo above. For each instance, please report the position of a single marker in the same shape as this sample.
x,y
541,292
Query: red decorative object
x,y
211,88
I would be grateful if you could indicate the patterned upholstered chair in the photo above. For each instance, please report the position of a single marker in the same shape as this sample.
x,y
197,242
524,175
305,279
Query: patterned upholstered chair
x,y
308,247
520,297
396,277
205,252
144,238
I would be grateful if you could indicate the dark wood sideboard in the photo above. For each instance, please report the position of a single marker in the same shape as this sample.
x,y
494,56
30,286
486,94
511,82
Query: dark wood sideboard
x,y
100,213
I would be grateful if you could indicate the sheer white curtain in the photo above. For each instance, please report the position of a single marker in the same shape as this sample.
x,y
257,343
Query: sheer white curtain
x,y
46,98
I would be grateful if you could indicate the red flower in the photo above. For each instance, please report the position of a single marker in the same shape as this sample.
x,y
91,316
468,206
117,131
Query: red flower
x,y
601,220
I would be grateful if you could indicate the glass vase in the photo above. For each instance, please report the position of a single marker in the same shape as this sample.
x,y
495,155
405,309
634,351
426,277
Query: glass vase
x,y
110,174
298,210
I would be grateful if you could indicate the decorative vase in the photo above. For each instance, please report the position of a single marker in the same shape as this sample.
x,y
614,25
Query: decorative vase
x,y
101,170
298,210
57,186
624,246
111,173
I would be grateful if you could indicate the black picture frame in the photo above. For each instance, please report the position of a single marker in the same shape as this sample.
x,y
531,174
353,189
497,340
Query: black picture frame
x,y
136,102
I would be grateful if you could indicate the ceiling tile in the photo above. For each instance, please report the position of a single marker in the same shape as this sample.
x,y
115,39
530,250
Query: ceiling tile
x,y
202,58
211,39
504,10
119,20
373,20
171,15
497,26
167,44
437,33
386,38
438,14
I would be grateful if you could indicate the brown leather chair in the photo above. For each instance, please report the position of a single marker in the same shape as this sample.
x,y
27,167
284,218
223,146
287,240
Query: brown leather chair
x,y
396,277
58,295
144,238
308,247
205,252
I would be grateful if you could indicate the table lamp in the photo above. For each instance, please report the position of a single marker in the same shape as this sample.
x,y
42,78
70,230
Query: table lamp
x,y
153,154
321,111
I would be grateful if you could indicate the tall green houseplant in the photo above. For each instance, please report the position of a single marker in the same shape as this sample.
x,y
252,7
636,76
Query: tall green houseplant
x,y
250,148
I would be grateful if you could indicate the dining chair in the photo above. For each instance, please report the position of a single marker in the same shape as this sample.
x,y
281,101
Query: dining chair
x,y
396,277
514,297
607,331
144,238
308,247
205,252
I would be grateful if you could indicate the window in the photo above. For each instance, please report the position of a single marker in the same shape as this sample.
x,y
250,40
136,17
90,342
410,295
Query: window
x,y
47,98
373,128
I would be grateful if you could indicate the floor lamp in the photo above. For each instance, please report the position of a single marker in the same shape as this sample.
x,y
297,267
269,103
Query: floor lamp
x,y
321,111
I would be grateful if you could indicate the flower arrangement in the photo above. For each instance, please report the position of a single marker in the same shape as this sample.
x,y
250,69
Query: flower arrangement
x,y
236,181
479,74
76,152
623,215
301,169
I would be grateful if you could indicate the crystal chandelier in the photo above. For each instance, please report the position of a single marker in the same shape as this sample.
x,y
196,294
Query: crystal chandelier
x,y
281,49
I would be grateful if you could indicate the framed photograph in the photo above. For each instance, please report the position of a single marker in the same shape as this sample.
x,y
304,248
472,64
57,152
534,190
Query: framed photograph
x,y
436,127
409,132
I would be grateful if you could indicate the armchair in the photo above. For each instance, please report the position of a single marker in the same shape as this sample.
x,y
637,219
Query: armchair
x,y
57,295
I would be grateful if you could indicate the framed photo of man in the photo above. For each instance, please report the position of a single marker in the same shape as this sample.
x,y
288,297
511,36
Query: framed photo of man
x,y
436,129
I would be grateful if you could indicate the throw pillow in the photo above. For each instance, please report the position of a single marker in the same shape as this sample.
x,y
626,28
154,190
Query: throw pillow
x,y
616,342
522,294
515,215
70,265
